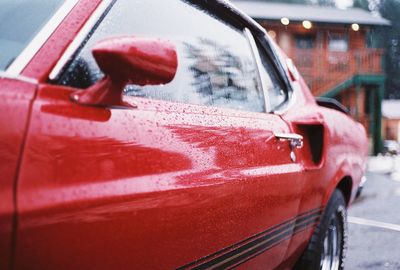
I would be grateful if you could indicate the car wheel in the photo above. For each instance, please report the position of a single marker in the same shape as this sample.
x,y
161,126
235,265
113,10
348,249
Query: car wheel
x,y
326,250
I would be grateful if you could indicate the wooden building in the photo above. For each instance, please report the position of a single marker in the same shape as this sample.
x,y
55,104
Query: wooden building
x,y
336,52
391,120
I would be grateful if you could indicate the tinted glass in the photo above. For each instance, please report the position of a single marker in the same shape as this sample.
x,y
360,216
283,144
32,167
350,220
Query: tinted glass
x,y
216,67
20,21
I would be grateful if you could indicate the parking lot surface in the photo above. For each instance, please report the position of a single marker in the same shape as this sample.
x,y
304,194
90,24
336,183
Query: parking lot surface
x,y
374,225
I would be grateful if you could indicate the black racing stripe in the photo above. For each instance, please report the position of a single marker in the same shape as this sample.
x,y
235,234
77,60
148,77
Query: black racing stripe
x,y
266,246
310,212
283,228
274,228
299,229
253,247
268,237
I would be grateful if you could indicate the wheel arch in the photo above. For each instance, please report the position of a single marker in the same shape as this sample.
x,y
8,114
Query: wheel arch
x,y
345,185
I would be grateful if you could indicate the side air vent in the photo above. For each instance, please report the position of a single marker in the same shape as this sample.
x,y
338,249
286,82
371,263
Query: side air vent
x,y
313,143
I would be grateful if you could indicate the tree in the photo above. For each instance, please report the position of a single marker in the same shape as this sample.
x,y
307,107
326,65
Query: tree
x,y
301,2
329,3
363,4
390,9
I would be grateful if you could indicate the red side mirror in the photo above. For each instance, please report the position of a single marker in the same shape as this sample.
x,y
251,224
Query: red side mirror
x,y
128,60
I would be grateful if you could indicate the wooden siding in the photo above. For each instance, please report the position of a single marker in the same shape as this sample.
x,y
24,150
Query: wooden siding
x,y
323,70
321,67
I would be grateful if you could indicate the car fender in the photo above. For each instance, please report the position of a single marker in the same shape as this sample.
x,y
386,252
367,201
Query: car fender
x,y
344,171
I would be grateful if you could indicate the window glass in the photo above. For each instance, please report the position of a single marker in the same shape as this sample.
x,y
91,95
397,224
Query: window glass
x,y
373,39
338,42
305,41
20,21
275,87
215,63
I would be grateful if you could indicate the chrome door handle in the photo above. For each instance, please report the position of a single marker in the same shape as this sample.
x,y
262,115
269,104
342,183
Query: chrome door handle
x,y
295,141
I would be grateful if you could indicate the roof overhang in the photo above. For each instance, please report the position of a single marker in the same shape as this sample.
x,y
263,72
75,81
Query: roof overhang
x,y
275,11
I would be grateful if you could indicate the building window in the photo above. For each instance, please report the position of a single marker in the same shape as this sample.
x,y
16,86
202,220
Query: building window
x,y
338,42
305,41
373,39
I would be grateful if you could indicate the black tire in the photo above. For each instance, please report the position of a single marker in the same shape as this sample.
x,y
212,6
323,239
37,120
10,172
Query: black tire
x,y
333,222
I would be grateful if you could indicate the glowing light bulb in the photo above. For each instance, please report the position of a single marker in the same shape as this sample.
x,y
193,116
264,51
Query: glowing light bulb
x,y
355,27
285,21
307,24
272,34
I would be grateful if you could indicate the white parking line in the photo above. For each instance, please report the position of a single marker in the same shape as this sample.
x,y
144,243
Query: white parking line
x,y
373,223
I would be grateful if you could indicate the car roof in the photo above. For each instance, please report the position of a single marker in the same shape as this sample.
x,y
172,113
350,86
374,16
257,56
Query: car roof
x,y
224,8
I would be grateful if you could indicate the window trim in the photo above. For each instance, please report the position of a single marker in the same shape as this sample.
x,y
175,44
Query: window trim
x,y
230,16
291,88
228,13
97,16
5,75
277,66
257,59
23,59
90,26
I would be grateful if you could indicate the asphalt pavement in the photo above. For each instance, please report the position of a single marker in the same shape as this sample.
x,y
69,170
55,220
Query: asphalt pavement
x,y
374,225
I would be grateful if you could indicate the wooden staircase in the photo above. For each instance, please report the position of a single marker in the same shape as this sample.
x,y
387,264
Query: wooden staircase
x,y
324,70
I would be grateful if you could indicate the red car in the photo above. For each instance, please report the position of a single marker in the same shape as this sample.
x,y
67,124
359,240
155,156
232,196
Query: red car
x,y
165,134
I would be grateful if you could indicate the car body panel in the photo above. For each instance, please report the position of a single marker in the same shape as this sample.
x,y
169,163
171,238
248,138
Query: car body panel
x,y
345,148
200,172
48,55
162,185
15,100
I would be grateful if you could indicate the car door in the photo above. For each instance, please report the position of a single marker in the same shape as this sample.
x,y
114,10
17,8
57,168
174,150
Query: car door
x,y
307,119
16,95
191,176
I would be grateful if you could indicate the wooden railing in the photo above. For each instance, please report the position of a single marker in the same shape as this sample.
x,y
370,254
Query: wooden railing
x,y
323,69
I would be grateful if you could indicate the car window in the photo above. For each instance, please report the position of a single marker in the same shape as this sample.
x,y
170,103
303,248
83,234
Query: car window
x,y
274,86
20,21
215,62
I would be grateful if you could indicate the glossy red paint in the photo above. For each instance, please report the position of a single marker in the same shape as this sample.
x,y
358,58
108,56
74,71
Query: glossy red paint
x,y
344,154
183,166
15,100
134,60
160,184
137,60
46,58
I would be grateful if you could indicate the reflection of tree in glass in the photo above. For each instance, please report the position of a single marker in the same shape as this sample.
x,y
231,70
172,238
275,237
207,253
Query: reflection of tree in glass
x,y
221,75
210,74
